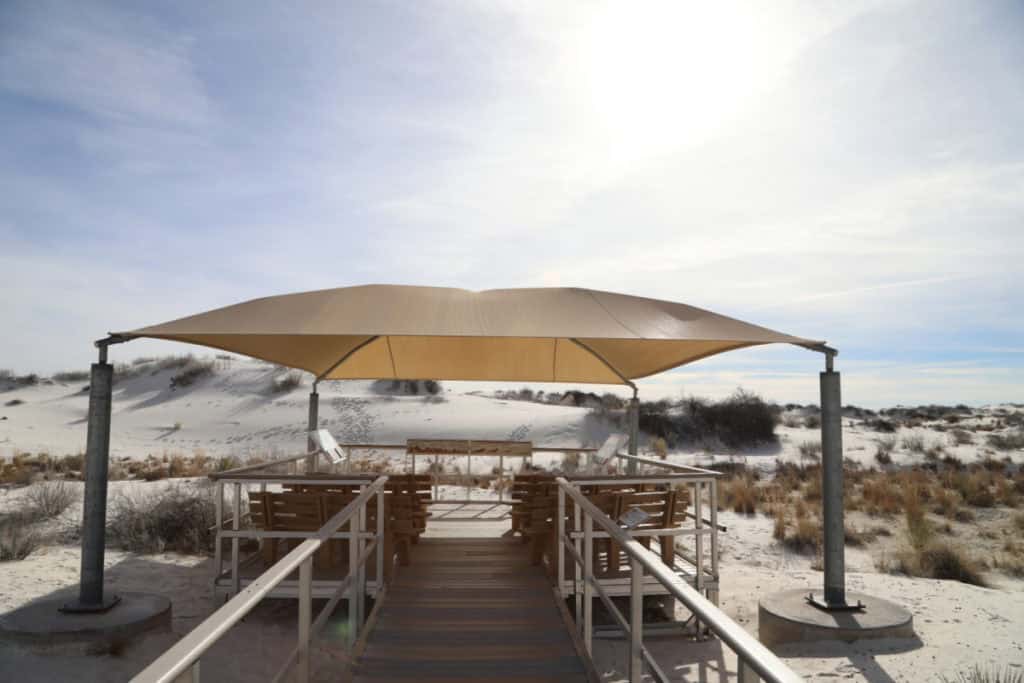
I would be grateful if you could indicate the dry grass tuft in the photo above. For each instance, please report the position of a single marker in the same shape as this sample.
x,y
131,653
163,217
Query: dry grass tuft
x,y
50,499
17,539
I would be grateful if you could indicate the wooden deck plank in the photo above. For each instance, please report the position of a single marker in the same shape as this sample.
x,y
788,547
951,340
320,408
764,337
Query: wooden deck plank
x,y
470,609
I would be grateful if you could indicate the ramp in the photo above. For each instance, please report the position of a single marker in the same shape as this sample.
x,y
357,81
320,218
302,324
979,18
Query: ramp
x,y
471,609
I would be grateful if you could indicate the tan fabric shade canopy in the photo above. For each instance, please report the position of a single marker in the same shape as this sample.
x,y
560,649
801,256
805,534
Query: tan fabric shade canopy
x,y
530,335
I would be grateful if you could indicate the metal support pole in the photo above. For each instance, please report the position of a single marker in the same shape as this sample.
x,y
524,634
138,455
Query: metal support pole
x,y
236,514
94,514
832,485
353,584
560,542
305,618
744,674
588,588
634,431
380,544
636,621
218,551
313,424
578,546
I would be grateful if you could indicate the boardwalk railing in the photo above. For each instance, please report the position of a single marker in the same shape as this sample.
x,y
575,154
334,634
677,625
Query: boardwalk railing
x,y
756,662
184,656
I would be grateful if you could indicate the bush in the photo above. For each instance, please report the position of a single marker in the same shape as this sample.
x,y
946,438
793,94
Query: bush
x,y
29,380
177,519
812,422
881,425
1010,441
943,561
742,420
405,387
961,437
191,372
810,450
914,443
71,376
51,498
289,382
17,539
978,675
13,402
741,494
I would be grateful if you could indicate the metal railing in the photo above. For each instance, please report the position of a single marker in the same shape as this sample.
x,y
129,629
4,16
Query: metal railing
x,y
755,661
184,656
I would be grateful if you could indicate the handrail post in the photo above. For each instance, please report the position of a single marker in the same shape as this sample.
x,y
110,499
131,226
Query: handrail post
x,y
353,556
218,551
236,513
380,542
305,617
577,544
744,674
588,589
360,578
698,494
713,489
559,544
636,621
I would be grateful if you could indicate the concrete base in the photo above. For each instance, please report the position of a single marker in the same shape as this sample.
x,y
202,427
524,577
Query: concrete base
x,y
787,618
42,627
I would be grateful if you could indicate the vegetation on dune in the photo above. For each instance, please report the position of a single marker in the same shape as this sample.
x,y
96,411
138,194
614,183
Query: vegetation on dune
x,y
742,420
290,382
178,519
976,674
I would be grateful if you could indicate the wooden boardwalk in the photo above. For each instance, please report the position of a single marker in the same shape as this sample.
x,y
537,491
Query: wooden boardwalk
x,y
471,609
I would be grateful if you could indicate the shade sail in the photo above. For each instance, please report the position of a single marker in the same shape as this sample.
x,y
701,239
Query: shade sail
x,y
530,335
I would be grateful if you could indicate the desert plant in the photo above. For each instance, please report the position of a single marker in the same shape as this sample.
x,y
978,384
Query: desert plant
x,y
71,376
960,437
914,443
13,402
812,422
810,450
50,499
660,447
1008,441
978,675
289,382
742,494
192,371
179,518
17,539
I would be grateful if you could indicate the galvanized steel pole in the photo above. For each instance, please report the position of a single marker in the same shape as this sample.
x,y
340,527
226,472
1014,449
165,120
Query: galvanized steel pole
x,y
832,485
94,514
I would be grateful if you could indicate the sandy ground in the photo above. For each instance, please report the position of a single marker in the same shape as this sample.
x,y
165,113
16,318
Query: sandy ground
x,y
232,413
957,625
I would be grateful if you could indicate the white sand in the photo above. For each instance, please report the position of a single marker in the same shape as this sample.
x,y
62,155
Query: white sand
x,y
232,414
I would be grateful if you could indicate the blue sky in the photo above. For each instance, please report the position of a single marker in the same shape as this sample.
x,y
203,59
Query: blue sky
x,y
849,171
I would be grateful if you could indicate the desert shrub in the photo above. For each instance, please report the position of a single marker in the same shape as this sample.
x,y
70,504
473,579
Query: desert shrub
x,y
405,387
660,447
882,496
881,425
178,519
812,422
50,499
919,530
29,380
17,538
6,375
934,451
914,443
741,494
791,422
1009,441
978,675
570,462
810,450
72,376
944,561
743,419
961,437
858,537
289,382
946,502
191,372
804,537
13,402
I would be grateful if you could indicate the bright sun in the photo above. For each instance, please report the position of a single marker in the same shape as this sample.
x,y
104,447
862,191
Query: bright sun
x,y
660,75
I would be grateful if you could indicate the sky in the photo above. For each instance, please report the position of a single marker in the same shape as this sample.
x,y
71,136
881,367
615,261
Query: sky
x,y
849,171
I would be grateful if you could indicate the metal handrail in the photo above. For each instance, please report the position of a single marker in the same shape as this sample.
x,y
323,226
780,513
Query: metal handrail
x,y
668,465
187,651
753,657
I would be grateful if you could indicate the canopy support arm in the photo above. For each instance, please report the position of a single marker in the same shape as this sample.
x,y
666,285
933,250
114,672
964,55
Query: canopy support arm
x,y
604,361
348,354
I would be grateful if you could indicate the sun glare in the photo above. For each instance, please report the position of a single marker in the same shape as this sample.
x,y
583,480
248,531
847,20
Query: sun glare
x,y
660,75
